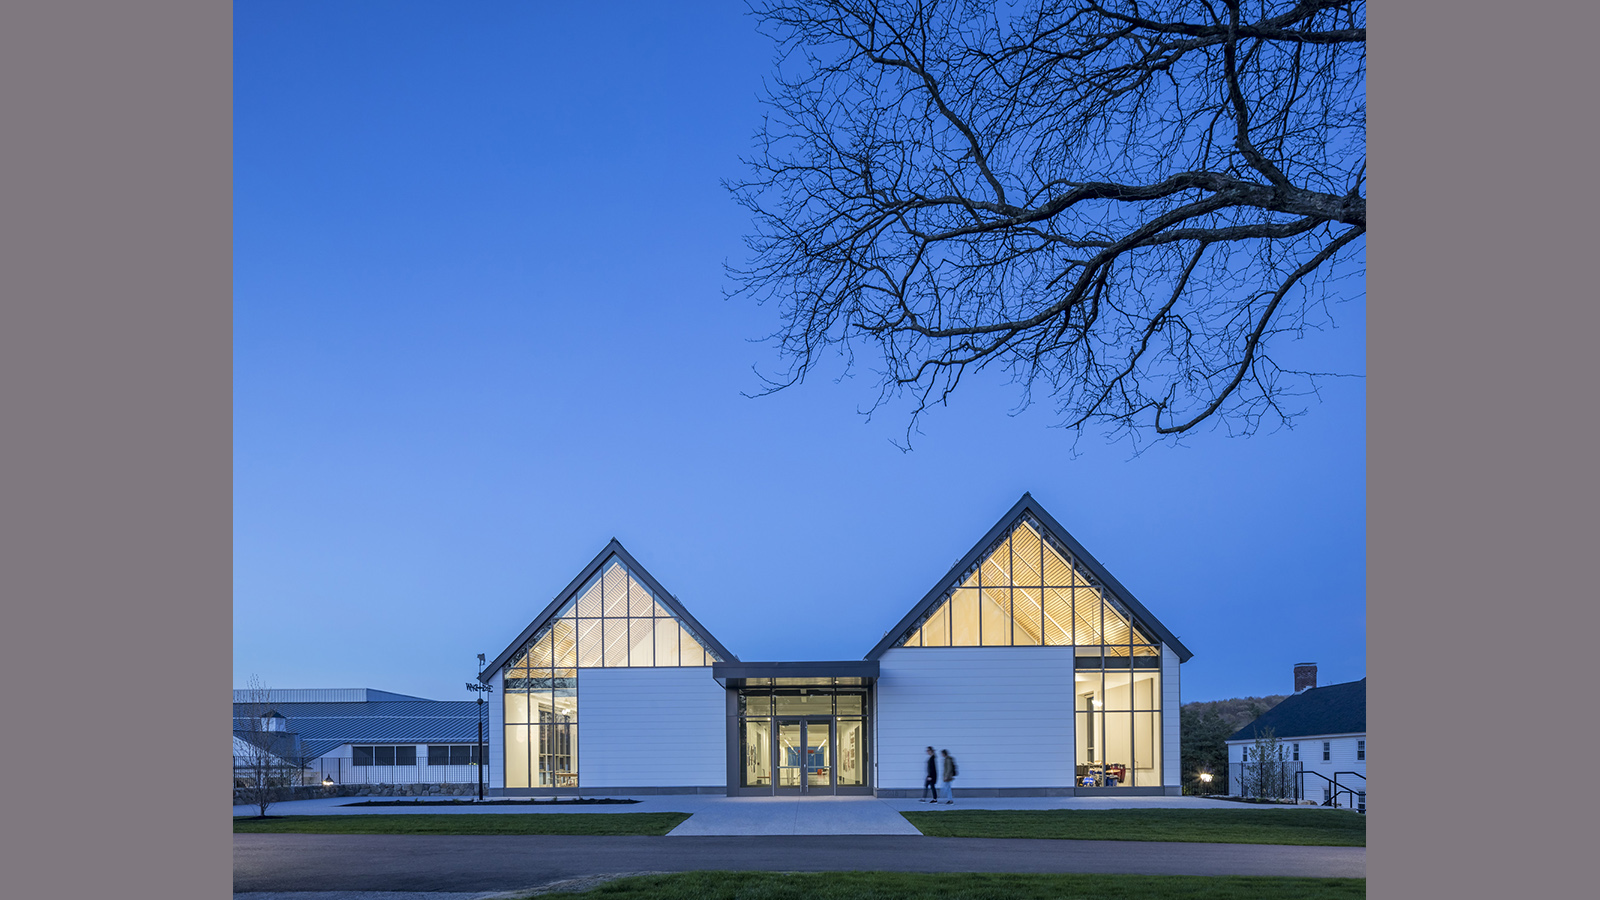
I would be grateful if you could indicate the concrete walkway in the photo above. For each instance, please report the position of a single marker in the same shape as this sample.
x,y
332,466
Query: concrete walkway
x,y
798,809
795,815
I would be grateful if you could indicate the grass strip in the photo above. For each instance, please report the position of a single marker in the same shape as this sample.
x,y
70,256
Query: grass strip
x,y
967,886
466,823
1299,827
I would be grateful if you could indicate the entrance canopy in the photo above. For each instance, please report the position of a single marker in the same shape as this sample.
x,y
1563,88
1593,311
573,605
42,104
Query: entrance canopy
x,y
851,672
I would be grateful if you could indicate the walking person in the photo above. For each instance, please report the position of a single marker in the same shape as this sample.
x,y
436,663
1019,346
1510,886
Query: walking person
x,y
950,771
930,784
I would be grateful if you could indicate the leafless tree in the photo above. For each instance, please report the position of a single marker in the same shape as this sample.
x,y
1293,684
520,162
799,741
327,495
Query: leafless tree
x,y
266,758
1121,205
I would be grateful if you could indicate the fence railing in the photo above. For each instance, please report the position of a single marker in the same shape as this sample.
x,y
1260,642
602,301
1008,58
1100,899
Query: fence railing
x,y
1269,779
342,770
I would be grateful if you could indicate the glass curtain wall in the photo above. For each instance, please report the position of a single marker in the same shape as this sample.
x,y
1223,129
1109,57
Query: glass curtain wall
x,y
766,710
613,621
1029,590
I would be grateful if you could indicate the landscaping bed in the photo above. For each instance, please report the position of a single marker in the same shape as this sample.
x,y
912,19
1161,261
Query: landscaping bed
x,y
465,823
548,801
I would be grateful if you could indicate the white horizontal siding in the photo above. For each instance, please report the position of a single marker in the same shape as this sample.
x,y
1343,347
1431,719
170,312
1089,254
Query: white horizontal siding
x,y
1171,736
496,730
1342,758
651,727
1005,713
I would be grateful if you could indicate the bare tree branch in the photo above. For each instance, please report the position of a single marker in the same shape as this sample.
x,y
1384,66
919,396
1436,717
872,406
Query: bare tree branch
x,y
1120,205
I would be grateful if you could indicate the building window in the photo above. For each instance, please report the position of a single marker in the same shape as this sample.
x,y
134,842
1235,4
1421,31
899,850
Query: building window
x,y
1361,750
452,755
1327,750
383,755
613,621
1297,752
1030,591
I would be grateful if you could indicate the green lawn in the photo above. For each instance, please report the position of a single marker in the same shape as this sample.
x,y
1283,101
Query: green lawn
x,y
465,823
965,886
1305,827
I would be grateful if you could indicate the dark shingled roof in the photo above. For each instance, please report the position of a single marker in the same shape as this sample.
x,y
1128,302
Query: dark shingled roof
x,y
1335,709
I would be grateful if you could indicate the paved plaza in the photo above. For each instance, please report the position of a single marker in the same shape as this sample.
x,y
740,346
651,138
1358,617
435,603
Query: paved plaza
x,y
718,815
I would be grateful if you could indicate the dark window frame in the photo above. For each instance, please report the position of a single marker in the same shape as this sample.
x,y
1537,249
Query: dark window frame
x,y
375,755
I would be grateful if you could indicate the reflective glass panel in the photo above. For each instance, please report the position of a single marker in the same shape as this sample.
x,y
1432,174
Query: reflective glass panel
x,y
996,566
819,754
964,618
516,706
755,704
640,601
1025,624
1146,689
517,756
1117,747
1146,749
616,641
690,651
589,644
791,759
996,606
798,705
1025,557
539,653
936,631
666,642
564,651
852,751
642,646
615,584
850,704
589,601
1118,691
756,751
1057,616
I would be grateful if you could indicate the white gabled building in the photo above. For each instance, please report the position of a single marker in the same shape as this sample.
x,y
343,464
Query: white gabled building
x,y
1028,661
1321,735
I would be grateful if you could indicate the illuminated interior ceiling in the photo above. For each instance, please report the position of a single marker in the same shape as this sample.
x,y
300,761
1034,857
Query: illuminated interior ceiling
x,y
1045,597
614,621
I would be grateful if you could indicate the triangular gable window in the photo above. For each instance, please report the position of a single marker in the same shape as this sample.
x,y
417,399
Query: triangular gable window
x,y
613,621
1028,590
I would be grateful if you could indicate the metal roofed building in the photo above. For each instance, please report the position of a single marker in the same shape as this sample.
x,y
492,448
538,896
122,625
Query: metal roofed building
x,y
1033,665
357,740
1322,733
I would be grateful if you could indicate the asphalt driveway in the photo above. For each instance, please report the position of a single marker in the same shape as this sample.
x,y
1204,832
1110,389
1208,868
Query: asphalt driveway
x,y
372,862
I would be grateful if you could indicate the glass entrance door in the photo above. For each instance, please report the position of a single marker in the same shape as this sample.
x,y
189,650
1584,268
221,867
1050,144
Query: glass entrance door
x,y
804,751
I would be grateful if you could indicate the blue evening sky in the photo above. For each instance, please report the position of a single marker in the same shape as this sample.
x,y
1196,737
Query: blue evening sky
x,y
479,330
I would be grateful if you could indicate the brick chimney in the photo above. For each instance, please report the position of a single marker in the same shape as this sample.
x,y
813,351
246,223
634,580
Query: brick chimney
x,y
1305,676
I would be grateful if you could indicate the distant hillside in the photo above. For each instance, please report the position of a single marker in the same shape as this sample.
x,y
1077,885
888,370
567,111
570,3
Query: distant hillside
x,y
1235,713
1206,724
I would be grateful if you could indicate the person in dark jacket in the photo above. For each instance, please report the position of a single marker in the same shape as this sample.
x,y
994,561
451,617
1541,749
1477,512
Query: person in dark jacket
x,y
930,784
949,776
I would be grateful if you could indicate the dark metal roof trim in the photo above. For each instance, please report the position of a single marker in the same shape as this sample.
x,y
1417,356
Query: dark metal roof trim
x,y
613,548
1025,506
852,668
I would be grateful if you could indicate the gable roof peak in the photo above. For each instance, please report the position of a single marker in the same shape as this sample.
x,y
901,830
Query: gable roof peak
x,y
613,548
1025,505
